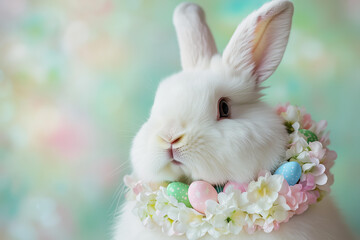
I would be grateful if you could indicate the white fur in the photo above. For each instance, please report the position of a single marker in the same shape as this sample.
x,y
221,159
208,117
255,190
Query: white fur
x,y
259,42
196,42
186,107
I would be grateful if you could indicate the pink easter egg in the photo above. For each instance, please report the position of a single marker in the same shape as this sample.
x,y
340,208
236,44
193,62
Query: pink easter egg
x,y
238,186
199,192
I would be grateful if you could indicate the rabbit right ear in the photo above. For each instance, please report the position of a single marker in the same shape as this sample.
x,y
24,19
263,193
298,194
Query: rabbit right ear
x,y
259,42
197,45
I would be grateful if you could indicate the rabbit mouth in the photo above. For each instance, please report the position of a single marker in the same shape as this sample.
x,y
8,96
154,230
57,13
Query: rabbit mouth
x,y
174,161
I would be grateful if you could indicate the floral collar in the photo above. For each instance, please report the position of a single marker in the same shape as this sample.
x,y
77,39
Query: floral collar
x,y
260,205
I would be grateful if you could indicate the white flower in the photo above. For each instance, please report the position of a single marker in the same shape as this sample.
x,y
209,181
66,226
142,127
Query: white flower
x,y
254,221
263,192
279,211
193,223
298,143
317,152
145,208
296,148
177,219
292,114
189,221
225,216
294,136
198,232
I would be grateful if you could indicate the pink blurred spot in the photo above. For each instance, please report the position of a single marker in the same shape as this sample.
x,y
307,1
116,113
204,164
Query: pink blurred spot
x,y
67,139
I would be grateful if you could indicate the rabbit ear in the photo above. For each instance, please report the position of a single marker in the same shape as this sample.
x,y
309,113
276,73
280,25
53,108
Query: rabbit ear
x,y
259,42
196,42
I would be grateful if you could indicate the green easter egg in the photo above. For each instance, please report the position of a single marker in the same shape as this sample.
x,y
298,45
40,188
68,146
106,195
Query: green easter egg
x,y
179,191
310,136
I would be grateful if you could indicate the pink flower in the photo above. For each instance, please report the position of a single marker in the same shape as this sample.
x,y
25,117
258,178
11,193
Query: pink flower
x,y
318,171
297,198
312,197
319,127
329,159
282,108
268,225
276,225
231,185
330,181
315,166
307,181
307,121
293,195
250,229
133,184
325,140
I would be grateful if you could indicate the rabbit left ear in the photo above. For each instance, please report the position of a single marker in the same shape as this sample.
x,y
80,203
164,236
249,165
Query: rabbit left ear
x,y
197,45
259,42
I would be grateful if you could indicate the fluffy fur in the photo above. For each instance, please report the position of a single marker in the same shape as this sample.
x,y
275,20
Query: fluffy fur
x,y
186,110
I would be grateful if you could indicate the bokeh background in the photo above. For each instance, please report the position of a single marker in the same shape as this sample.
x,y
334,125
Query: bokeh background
x,y
77,80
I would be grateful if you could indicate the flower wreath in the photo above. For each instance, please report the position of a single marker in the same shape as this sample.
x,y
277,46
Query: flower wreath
x,y
261,204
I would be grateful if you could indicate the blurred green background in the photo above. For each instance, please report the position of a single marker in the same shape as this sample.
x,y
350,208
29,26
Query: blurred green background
x,y
77,80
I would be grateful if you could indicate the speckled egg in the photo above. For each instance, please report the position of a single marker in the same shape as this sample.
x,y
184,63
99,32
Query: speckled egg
x,y
199,192
179,191
310,136
239,186
291,172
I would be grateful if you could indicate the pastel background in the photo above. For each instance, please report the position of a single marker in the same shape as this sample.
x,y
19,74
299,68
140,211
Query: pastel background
x,y
77,80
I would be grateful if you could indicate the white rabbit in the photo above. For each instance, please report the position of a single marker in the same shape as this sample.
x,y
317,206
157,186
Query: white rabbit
x,y
208,121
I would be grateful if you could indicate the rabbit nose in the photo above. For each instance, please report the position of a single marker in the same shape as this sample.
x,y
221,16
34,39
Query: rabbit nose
x,y
172,140
176,139
171,133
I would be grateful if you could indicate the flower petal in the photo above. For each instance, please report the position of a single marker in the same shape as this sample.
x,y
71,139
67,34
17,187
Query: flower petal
x,y
321,180
308,166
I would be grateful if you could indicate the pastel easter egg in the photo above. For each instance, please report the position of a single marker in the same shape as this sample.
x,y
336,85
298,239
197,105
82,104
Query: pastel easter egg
x,y
235,185
199,192
310,136
291,172
179,191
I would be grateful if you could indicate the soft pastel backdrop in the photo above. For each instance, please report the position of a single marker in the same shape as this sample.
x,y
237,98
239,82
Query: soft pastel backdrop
x,y
77,79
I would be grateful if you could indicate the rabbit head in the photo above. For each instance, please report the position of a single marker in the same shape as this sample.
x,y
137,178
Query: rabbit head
x,y
208,122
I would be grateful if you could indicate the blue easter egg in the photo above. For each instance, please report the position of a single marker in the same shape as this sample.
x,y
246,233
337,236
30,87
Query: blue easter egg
x,y
291,172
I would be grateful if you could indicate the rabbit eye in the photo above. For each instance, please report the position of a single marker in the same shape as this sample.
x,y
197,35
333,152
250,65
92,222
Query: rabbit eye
x,y
224,109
